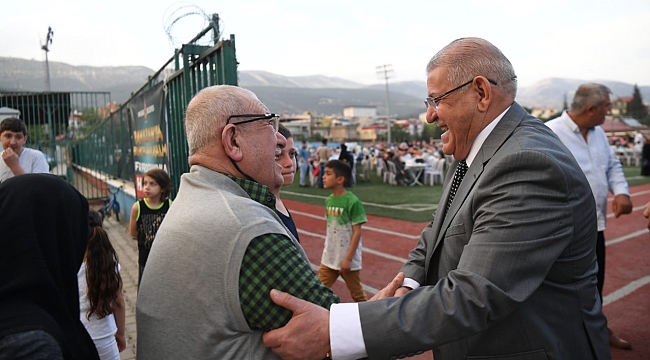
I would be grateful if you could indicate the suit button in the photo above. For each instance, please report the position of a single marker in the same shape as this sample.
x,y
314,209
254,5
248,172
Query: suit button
x,y
419,352
410,354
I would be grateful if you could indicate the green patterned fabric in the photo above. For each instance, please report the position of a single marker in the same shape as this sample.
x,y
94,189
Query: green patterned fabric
x,y
272,261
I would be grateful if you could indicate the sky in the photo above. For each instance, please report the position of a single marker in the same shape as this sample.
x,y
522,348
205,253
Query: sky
x,y
584,40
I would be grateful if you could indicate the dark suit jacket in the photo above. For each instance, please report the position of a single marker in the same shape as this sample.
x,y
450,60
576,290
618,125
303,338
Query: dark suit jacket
x,y
510,271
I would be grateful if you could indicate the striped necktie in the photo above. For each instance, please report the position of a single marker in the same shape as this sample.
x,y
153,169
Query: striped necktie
x,y
459,174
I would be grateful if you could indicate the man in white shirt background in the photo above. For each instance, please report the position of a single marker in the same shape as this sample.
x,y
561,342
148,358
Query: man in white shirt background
x,y
580,131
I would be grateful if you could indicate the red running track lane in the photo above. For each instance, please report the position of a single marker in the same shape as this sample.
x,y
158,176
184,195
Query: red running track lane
x,y
387,242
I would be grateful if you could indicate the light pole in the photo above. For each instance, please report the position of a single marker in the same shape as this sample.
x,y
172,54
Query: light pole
x,y
385,72
50,124
46,47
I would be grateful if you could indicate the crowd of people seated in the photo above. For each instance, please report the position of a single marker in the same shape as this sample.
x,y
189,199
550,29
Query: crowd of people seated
x,y
365,159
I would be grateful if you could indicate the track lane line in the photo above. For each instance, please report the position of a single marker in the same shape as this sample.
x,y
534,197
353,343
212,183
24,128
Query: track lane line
x,y
363,248
626,237
365,227
625,290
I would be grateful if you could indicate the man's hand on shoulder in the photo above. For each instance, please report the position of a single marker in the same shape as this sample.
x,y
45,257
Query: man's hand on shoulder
x,y
306,336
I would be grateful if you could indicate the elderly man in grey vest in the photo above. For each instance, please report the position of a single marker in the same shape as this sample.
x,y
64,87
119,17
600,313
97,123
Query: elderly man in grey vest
x,y
221,247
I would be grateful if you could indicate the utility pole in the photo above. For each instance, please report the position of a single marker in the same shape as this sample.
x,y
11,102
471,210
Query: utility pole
x,y
50,124
46,47
385,72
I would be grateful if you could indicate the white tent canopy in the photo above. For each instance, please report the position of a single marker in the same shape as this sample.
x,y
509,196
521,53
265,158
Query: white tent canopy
x,y
6,112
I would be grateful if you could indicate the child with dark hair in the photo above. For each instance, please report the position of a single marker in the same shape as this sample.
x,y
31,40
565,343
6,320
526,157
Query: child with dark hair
x,y
345,215
101,302
148,213
286,158
16,159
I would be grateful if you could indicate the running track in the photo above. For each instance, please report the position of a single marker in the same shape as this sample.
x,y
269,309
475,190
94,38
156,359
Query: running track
x,y
387,242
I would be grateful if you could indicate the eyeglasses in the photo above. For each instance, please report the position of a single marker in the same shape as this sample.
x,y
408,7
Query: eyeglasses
x,y
433,101
274,119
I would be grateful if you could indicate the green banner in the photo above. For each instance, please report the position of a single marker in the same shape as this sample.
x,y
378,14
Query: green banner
x,y
149,132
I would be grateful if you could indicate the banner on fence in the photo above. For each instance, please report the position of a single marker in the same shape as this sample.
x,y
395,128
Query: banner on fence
x,y
149,131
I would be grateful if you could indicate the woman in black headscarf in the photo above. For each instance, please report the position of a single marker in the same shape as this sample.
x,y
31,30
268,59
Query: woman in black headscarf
x,y
43,234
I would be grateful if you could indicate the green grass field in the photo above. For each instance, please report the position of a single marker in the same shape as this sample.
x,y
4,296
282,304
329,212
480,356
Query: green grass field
x,y
413,203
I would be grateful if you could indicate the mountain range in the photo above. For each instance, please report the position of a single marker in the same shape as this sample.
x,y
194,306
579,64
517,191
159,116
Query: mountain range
x,y
283,94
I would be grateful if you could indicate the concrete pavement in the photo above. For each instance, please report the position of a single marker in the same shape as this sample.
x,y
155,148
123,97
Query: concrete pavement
x,y
127,252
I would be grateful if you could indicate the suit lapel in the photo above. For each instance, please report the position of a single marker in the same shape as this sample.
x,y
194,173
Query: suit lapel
x,y
494,141
440,212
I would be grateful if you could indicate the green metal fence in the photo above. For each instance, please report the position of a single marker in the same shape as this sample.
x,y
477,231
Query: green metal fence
x,y
54,121
194,68
93,142
202,67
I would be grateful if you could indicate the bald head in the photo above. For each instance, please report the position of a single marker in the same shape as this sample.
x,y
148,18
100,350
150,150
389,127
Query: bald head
x,y
207,113
469,57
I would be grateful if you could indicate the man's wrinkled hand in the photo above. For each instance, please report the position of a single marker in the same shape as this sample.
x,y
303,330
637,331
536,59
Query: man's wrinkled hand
x,y
392,289
306,335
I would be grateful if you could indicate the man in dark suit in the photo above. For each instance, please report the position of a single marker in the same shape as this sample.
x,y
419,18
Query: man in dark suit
x,y
507,268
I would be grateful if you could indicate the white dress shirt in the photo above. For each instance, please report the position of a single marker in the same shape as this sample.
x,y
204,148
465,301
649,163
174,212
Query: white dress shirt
x,y
596,159
346,336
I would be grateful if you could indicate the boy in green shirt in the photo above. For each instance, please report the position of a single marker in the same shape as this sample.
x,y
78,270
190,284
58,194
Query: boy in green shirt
x,y
345,214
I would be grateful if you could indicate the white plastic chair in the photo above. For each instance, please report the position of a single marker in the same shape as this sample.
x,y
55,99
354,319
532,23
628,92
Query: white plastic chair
x,y
434,172
391,174
312,179
380,166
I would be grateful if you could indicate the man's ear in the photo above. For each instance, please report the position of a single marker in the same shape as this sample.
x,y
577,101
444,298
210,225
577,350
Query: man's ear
x,y
484,91
592,108
231,142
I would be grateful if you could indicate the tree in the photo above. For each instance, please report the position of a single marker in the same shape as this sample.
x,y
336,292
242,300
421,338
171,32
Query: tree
x,y
431,131
565,103
635,108
398,134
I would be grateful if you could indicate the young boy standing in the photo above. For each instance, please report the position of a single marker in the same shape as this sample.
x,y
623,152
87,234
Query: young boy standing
x,y
345,214
16,159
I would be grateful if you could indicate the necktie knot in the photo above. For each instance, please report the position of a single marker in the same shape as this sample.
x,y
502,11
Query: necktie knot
x,y
459,174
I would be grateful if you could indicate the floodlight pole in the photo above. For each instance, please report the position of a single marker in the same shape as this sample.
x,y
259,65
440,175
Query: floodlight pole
x,y
46,48
50,123
386,72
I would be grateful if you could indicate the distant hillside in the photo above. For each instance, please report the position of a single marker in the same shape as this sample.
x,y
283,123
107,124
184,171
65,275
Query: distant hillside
x,y
550,92
29,75
416,89
264,78
282,94
332,101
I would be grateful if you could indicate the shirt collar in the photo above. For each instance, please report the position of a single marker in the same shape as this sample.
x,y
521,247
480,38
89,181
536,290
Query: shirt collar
x,y
570,123
258,192
480,139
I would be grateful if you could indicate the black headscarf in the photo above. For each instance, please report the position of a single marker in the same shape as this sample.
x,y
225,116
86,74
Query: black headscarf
x,y
43,234
346,156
